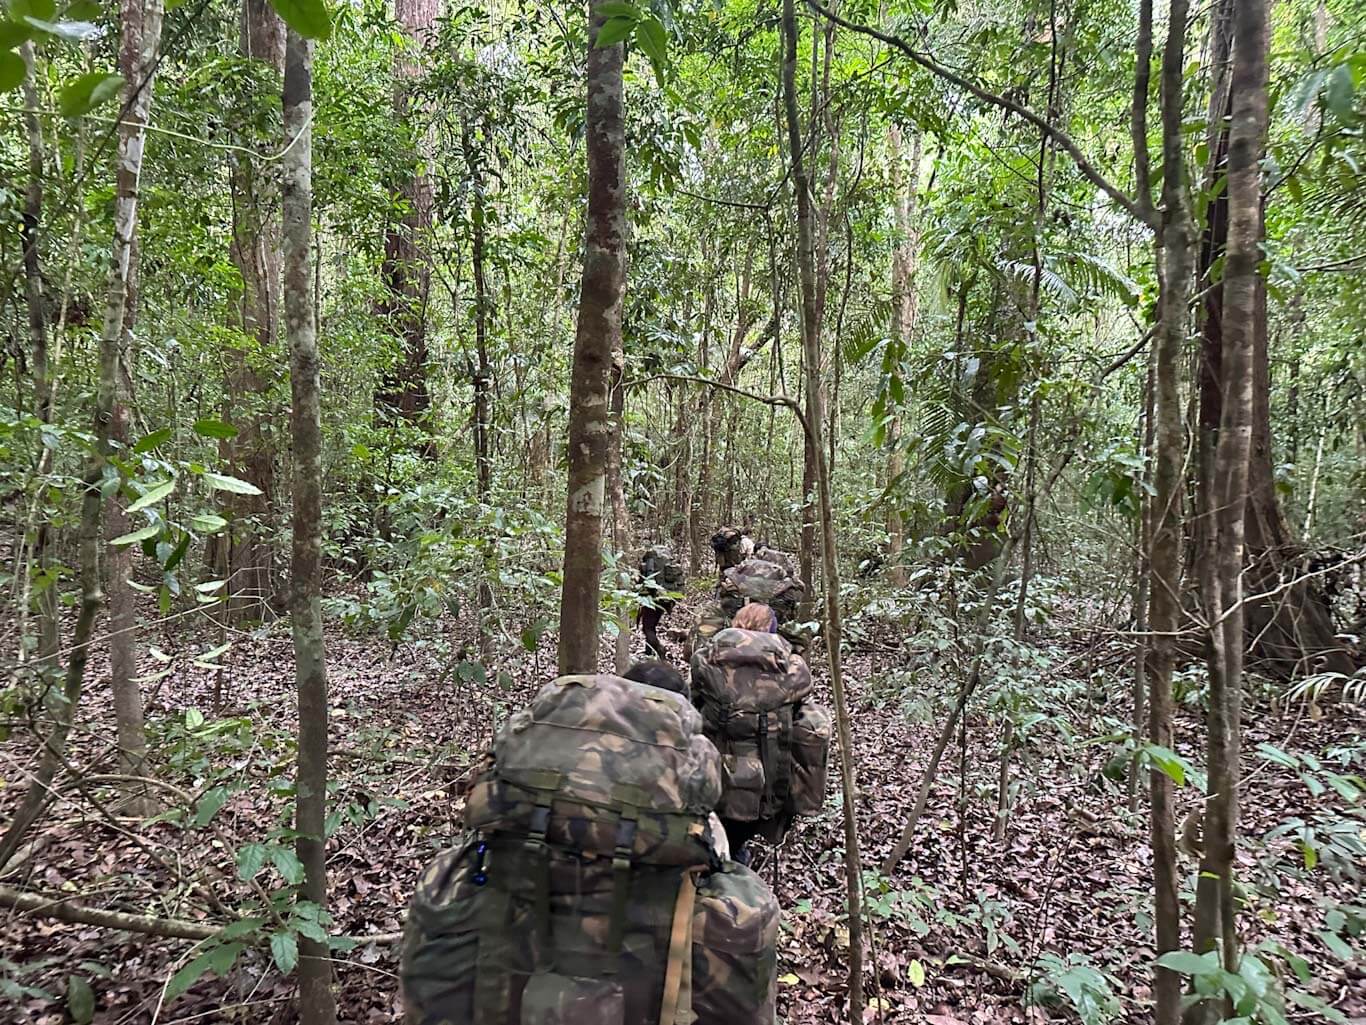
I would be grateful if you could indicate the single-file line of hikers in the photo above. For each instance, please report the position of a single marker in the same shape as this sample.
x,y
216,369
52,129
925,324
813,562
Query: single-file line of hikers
x,y
603,877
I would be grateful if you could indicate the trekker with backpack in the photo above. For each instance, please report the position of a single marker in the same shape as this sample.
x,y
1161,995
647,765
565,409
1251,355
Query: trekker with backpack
x,y
660,575
753,692
586,889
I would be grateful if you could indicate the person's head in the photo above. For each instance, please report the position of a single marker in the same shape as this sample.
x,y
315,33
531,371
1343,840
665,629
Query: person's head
x,y
756,616
654,673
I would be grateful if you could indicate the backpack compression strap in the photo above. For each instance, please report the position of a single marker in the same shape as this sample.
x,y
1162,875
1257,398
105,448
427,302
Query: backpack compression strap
x,y
680,950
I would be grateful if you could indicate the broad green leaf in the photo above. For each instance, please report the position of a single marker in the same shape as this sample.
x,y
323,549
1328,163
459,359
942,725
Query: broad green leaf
x,y
251,858
45,10
1337,945
12,33
222,482
312,930
209,586
915,971
88,92
217,960
208,806
309,18
1311,855
208,427
654,43
243,926
614,31
287,863
12,71
284,947
208,523
153,495
82,10
71,31
194,718
152,440
618,9
1190,963
1168,762
141,534
80,1000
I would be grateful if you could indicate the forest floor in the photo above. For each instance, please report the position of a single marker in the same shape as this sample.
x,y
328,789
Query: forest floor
x,y
962,929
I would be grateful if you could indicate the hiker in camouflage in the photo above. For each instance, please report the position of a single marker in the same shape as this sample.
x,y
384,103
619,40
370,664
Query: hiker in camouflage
x,y
660,577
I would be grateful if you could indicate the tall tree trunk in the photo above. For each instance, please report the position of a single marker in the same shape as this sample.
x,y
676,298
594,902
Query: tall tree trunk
x,y
317,1005
905,256
1214,910
596,337
128,712
255,252
699,512
482,375
141,29
406,269
621,517
1173,249
806,266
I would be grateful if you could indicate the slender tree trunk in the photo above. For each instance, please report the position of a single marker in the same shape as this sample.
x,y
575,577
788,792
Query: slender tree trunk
x,y
317,1005
1214,911
483,378
905,256
1173,242
1142,580
247,400
143,24
830,569
406,269
596,337
621,517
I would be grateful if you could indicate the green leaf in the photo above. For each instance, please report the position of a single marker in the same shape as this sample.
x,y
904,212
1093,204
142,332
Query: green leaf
x,y
80,1000
141,534
251,858
1337,93
284,947
12,33
12,71
208,523
152,495
1189,963
654,43
1311,855
209,586
618,9
71,31
42,9
915,971
287,863
222,482
217,960
1168,762
1340,948
312,930
614,31
208,806
241,927
194,718
153,440
88,92
309,18
1272,753
208,427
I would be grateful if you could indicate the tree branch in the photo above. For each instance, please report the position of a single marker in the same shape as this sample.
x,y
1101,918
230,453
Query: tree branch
x,y
1064,140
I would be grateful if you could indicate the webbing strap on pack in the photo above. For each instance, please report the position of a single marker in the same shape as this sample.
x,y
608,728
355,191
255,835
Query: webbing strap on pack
x,y
621,881
539,855
680,950
782,785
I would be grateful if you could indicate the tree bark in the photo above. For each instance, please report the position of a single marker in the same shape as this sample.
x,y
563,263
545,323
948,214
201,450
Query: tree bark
x,y
814,426
596,337
1215,902
406,269
317,1004
482,375
905,256
1173,253
142,23
255,252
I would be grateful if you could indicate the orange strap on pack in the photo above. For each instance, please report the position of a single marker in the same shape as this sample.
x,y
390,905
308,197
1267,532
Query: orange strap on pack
x,y
680,950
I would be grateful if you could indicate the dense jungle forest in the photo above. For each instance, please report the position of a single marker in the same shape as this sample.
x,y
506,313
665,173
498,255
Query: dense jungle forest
x,y
354,355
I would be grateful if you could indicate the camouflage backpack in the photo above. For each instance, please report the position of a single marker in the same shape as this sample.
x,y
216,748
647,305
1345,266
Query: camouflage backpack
x,y
774,743
731,546
778,558
765,581
587,890
659,573
710,621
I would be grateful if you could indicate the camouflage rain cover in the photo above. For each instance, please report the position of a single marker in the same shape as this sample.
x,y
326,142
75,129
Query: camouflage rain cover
x,y
749,671
594,745
731,546
760,580
734,951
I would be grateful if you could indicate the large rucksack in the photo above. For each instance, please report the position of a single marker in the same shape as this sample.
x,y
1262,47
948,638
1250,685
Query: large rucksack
x,y
774,742
731,546
587,890
659,575
761,580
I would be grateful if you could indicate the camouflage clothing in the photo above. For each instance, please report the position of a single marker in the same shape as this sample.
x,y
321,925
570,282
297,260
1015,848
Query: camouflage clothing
x,y
576,896
764,581
731,546
711,620
774,744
